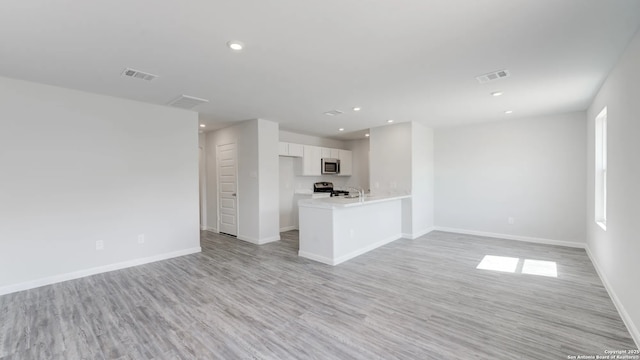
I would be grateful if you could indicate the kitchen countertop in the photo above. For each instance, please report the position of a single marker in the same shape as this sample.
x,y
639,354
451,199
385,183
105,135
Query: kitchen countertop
x,y
338,202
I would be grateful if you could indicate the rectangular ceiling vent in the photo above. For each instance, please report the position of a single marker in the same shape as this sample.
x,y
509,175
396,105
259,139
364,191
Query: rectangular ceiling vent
x,y
138,74
187,102
333,113
500,74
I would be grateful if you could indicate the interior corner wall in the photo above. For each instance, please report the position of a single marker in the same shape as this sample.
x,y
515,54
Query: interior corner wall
x,y
402,163
77,168
531,170
390,155
615,251
360,164
268,175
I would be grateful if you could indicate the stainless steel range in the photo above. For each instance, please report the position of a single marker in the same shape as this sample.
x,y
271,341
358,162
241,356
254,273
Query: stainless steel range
x,y
327,187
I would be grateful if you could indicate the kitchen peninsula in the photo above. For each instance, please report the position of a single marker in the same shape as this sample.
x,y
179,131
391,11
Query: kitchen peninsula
x,y
334,230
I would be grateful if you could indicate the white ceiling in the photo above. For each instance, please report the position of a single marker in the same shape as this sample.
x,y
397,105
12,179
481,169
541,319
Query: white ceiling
x,y
409,60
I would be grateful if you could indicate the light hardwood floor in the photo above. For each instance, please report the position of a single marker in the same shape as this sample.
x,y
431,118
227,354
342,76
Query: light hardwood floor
x,y
411,299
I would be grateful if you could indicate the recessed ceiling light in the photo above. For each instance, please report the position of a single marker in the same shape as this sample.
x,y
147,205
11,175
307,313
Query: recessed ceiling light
x,y
389,121
341,129
333,112
356,109
235,45
203,125
367,134
508,112
496,93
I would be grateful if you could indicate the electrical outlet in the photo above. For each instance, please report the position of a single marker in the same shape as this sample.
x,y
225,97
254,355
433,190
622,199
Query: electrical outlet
x,y
141,239
99,245
511,220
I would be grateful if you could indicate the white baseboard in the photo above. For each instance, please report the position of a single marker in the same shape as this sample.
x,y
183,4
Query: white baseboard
x,y
269,239
258,241
315,257
288,228
418,234
351,255
572,244
248,239
214,230
633,330
93,271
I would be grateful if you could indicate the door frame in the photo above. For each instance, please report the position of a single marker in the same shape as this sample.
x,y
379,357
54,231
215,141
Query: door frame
x,y
202,186
234,142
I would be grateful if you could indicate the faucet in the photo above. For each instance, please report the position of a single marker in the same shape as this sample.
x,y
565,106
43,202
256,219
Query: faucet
x,y
360,192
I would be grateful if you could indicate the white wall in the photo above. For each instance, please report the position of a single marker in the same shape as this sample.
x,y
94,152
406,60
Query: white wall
x,y
202,169
402,163
268,163
288,214
78,167
249,142
360,165
615,251
531,170
390,159
287,136
422,188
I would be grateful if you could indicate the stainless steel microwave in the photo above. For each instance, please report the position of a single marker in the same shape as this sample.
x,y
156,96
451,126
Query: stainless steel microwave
x,y
330,166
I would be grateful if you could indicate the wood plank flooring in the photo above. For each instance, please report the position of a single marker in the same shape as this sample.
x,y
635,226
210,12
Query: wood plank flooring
x,y
411,299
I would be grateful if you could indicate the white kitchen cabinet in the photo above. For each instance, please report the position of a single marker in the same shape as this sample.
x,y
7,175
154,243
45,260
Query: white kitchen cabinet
x,y
330,153
311,161
312,156
283,149
296,150
346,162
290,149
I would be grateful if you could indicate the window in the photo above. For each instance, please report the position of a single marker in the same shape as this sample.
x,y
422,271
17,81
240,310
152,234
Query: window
x,y
601,170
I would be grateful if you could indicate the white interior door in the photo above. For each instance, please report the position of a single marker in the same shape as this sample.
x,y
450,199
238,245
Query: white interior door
x,y
227,189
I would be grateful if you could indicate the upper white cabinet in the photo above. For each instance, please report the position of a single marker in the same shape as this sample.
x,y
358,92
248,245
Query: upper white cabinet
x,y
346,162
311,164
289,149
311,161
330,153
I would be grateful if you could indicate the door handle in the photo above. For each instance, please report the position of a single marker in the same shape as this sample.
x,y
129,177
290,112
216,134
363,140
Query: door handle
x,y
234,194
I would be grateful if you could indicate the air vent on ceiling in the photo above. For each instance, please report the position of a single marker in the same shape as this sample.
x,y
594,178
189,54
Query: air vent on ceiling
x,y
187,102
138,74
500,74
333,113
